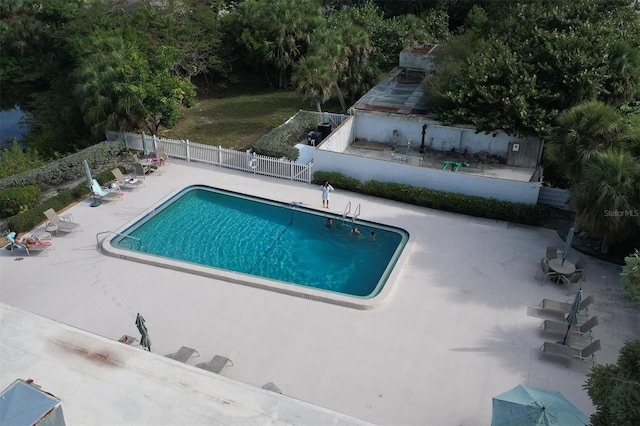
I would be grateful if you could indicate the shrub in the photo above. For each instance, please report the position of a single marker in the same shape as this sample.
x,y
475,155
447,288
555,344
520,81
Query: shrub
x,y
20,199
337,180
30,219
279,141
100,156
448,201
630,277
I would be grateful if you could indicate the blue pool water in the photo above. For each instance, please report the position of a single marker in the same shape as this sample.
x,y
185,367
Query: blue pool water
x,y
253,236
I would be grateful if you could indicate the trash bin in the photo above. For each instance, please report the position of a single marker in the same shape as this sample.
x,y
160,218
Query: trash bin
x,y
325,129
314,138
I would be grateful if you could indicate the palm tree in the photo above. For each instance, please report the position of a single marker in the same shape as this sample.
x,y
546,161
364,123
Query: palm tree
x,y
313,79
624,79
582,132
607,196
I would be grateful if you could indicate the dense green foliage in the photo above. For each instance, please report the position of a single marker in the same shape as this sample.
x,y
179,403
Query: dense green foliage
x,y
446,201
15,160
615,388
630,277
279,141
34,216
18,199
66,169
517,65
596,148
129,66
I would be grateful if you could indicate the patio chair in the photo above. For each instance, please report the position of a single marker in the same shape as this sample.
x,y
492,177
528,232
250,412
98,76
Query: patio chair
x,y
139,171
130,182
560,328
552,252
105,193
184,354
554,306
570,352
216,364
548,273
36,247
60,223
572,279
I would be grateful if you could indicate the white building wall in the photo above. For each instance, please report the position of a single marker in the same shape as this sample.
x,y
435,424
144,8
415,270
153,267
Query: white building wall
x,y
340,138
379,128
365,169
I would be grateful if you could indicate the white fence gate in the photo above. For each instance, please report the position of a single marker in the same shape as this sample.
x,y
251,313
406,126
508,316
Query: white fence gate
x,y
218,156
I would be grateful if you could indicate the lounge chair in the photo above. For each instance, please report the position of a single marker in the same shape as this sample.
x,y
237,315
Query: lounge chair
x,y
105,193
37,247
563,308
570,352
217,363
548,273
129,182
184,354
60,223
560,328
271,387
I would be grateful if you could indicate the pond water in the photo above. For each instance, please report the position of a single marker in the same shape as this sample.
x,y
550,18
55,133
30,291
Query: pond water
x,y
10,126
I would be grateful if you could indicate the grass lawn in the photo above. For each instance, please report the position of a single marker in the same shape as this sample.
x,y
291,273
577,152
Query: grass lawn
x,y
239,118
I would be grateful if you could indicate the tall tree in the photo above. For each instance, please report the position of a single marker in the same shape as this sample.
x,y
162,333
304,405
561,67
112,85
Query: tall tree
x,y
549,52
278,32
581,133
607,196
615,388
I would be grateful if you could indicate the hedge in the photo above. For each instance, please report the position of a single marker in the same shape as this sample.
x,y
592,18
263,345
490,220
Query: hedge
x,y
489,208
31,218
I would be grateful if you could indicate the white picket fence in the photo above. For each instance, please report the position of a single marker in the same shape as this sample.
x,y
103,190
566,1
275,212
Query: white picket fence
x,y
218,156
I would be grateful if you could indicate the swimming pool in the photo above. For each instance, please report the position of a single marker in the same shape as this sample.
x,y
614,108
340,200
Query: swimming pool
x,y
248,238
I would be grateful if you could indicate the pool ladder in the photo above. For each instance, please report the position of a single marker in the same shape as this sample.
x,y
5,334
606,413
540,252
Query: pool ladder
x,y
347,210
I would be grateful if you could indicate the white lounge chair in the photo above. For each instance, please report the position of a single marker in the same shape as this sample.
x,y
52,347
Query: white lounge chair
x,y
36,247
570,352
184,354
105,193
60,223
216,364
560,328
563,308
130,182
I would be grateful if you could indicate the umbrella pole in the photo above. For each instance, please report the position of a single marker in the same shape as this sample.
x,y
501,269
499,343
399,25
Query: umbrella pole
x,y
96,202
566,335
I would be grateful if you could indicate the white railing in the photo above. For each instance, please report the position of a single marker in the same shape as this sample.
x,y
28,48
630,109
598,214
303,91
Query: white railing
x,y
218,156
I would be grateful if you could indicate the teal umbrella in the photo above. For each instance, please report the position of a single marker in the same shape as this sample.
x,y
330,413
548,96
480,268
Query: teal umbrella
x,y
525,405
142,328
87,171
572,317
567,245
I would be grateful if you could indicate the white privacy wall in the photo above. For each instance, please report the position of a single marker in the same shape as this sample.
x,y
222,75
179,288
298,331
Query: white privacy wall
x,y
379,128
365,169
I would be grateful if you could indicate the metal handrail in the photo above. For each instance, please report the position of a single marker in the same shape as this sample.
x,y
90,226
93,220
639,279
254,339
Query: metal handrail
x,y
347,210
356,214
116,233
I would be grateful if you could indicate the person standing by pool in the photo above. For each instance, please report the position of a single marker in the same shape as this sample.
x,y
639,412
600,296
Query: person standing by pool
x,y
326,189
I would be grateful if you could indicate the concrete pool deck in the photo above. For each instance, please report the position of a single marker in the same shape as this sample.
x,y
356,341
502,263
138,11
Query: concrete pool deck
x,y
460,327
